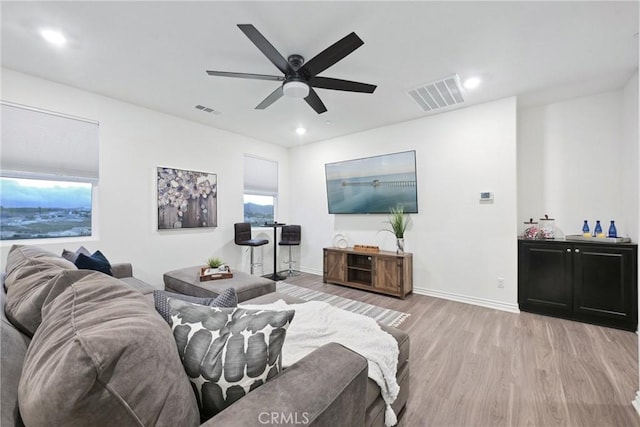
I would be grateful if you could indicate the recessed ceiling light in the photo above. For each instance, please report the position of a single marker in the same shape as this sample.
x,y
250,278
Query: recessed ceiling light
x,y
53,37
471,83
301,131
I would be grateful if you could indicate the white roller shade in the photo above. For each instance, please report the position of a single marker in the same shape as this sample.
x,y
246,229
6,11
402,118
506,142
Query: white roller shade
x,y
260,176
46,145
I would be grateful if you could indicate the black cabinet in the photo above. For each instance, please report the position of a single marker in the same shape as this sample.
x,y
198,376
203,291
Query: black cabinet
x,y
544,278
588,282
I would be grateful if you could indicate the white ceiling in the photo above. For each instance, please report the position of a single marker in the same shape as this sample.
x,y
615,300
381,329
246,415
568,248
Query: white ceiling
x,y
155,54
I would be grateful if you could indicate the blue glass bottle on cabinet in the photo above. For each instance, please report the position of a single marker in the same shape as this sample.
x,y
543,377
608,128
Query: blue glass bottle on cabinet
x,y
597,232
612,230
585,229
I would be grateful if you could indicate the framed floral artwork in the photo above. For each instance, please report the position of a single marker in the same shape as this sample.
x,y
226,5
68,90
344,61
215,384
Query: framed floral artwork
x,y
186,199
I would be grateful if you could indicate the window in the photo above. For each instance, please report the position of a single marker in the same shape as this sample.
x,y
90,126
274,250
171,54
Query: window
x,y
258,210
38,209
48,168
260,190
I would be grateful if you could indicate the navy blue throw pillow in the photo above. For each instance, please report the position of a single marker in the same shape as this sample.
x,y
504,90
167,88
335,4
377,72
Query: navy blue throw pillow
x,y
97,262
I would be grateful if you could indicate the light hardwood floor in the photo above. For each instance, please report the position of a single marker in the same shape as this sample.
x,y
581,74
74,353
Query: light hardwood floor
x,y
474,366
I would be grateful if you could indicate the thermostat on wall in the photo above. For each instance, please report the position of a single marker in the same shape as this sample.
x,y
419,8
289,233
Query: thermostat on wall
x,y
486,196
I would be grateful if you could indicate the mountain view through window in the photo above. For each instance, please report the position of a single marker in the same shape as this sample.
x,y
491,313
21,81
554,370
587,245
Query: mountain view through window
x,y
38,209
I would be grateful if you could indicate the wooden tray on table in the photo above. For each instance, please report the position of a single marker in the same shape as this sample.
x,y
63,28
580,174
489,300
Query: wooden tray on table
x,y
215,274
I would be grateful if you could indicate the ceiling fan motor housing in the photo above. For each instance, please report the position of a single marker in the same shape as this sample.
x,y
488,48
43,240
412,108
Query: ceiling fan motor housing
x,y
295,61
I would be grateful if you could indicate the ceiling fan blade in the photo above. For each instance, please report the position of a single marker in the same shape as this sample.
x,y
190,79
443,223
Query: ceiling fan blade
x,y
275,95
338,84
265,47
333,54
315,102
246,75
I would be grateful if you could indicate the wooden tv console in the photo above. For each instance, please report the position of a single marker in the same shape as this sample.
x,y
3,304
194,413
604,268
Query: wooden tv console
x,y
383,272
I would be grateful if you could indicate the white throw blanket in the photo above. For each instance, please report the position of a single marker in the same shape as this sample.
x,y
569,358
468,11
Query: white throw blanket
x,y
317,323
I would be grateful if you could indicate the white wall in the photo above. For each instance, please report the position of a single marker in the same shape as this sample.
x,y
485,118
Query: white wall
x,y
460,246
630,151
578,160
133,142
631,133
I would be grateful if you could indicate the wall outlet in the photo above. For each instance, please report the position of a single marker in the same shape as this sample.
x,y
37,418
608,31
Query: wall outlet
x,y
501,282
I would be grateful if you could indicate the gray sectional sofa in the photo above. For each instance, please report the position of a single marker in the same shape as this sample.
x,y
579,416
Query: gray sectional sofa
x,y
90,349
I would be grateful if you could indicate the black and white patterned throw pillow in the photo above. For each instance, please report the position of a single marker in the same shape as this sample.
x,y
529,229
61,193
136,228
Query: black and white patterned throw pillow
x,y
227,298
227,352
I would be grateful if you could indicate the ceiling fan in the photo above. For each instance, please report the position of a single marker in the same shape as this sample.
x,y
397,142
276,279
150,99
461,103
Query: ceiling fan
x,y
299,77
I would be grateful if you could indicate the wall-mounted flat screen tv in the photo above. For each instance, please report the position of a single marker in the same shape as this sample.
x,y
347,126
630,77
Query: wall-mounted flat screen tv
x,y
373,184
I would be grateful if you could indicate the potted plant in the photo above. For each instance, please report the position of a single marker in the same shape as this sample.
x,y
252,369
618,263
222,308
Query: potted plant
x,y
398,221
216,264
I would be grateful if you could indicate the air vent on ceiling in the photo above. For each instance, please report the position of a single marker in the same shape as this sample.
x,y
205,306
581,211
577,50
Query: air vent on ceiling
x,y
438,94
207,109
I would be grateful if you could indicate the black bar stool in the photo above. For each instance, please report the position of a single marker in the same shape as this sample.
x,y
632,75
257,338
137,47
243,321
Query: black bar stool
x,y
290,236
243,238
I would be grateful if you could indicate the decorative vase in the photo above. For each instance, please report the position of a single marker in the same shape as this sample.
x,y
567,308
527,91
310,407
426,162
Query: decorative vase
x,y
400,245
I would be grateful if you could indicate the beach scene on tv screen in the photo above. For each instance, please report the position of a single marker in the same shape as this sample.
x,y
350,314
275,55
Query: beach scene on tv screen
x,y
373,184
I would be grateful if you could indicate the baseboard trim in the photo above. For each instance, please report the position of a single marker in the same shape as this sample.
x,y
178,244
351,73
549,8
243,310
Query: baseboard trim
x,y
311,270
636,402
482,302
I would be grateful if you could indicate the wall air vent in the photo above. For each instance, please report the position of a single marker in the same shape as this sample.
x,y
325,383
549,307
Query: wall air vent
x,y
207,109
438,94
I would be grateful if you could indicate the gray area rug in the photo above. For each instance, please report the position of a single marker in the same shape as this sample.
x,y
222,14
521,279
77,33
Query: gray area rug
x,y
385,316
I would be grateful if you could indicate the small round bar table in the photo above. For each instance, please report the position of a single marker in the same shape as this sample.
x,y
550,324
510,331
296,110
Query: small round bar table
x,y
275,276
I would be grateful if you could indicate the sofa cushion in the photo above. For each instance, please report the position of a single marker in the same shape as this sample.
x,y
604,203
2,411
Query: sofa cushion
x,y
102,356
28,283
227,352
139,285
97,262
28,316
227,298
21,256
12,353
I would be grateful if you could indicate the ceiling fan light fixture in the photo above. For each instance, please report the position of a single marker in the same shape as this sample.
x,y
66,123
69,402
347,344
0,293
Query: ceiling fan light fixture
x,y
296,89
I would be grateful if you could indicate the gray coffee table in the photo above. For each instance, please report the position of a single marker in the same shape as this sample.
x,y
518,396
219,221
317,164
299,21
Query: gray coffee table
x,y
187,281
